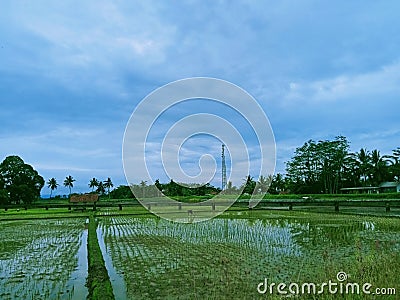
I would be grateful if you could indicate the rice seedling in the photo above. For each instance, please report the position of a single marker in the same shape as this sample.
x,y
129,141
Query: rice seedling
x,y
38,257
226,258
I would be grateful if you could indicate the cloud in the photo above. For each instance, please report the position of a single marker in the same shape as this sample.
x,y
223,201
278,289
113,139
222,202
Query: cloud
x,y
72,73
358,87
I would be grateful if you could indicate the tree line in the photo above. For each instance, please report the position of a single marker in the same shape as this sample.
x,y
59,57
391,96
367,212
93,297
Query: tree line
x,y
316,167
99,187
327,166
20,183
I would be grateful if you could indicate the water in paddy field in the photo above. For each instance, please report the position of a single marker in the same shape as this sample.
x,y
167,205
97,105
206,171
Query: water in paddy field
x,y
228,256
116,279
151,258
78,277
43,259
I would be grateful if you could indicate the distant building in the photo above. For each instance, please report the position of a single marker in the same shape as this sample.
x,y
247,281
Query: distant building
x,y
85,198
389,187
360,190
384,187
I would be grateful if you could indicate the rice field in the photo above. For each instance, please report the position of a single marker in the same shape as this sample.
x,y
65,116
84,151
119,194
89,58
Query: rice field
x,y
43,259
227,258
224,258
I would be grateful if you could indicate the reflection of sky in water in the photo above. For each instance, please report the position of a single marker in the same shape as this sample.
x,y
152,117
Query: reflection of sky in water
x,y
260,235
44,259
282,249
265,236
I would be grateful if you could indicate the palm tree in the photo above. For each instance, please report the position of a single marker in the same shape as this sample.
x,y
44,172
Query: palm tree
x,y
69,182
143,185
263,184
396,154
52,184
363,163
93,183
395,167
100,188
108,184
230,188
379,167
249,185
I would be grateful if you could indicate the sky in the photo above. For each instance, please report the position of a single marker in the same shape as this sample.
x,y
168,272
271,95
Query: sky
x,y
73,72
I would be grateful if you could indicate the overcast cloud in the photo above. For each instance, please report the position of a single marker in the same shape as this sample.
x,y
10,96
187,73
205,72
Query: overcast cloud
x,y
72,72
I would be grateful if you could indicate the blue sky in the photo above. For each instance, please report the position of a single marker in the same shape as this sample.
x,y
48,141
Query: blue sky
x,y
72,72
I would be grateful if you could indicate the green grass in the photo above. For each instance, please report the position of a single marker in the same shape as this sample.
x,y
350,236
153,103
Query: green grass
x,y
39,213
98,281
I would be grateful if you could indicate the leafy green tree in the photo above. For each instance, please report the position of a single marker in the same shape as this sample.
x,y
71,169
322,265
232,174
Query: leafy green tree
x,y
4,197
122,192
108,185
159,187
302,170
21,182
332,159
52,184
69,183
318,166
277,184
396,154
350,176
94,183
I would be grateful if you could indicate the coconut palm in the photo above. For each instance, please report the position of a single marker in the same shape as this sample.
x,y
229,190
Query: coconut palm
x,y
108,185
93,183
395,167
69,183
100,188
249,185
52,184
143,185
230,188
263,184
379,167
363,164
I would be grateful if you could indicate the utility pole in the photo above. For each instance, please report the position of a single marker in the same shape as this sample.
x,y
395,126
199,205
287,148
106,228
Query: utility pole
x,y
223,185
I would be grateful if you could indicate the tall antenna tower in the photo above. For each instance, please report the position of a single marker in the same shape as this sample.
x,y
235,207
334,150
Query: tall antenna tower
x,y
223,185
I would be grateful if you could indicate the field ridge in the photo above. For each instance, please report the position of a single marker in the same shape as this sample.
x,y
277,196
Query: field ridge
x,y
98,280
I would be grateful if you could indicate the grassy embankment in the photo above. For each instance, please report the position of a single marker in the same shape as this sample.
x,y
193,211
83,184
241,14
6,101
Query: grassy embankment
x,y
103,200
98,281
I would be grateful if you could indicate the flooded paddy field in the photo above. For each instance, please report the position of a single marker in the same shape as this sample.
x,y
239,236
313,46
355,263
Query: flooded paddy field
x,y
228,257
224,258
43,259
